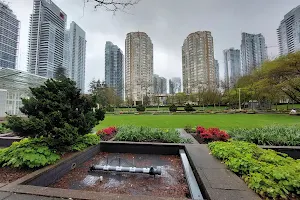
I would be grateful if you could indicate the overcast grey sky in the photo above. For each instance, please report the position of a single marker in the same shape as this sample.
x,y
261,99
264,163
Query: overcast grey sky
x,y
168,23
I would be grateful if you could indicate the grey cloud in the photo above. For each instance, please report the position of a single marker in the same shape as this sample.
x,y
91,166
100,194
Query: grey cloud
x,y
167,22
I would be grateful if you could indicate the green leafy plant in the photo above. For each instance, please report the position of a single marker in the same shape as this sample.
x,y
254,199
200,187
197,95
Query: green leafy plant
x,y
173,108
28,153
270,135
3,129
57,110
140,108
270,174
109,108
85,141
147,134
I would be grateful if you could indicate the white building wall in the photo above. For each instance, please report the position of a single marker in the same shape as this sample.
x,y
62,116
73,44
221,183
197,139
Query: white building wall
x,y
3,97
77,51
288,32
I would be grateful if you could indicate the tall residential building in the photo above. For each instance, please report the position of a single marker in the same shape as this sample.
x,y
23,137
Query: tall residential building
x,y
114,67
9,37
198,70
138,66
253,52
217,71
159,85
232,63
76,43
174,85
163,85
46,38
288,32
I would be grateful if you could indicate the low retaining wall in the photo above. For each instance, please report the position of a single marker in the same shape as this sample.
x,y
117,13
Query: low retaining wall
x,y
292,151
7,141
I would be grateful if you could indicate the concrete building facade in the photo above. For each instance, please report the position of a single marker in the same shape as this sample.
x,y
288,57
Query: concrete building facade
x,y
46,38
138,66
288,32
232,63
174,85
9,37
75,50
253,52
198,69
159,84
114,67
217,72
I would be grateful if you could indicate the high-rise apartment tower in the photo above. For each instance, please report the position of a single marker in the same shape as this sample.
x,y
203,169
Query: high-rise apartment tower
x,y
46,38
114,67
138,66
198,69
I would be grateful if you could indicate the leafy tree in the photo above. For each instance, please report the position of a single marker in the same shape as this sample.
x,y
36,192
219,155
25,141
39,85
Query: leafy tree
x,y
60,73
58,112
181,98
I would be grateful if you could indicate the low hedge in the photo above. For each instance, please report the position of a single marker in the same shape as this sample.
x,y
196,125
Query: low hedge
x,y
147,134
270,174
269,135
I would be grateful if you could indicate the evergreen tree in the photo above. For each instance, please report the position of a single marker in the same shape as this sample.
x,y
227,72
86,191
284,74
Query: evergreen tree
x,y
58,111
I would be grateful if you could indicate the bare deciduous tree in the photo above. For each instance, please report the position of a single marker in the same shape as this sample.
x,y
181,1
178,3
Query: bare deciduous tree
x,y
114,5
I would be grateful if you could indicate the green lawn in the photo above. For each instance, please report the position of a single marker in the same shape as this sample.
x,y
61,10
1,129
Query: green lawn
x,y
223,121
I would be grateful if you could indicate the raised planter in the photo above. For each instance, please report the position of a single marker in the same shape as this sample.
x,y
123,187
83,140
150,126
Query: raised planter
x,y
214,180
7,139
292,151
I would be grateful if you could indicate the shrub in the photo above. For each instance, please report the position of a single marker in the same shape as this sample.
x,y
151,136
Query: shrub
x,y
173,108
270,135
189,108
85,141
3,129
147,134
211,134
107,131
56,110
189,129
28,153
109,108
140,108
270,174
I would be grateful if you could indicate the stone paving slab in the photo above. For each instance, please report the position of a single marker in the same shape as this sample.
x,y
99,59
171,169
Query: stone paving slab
x,y
201,157
220,194
224,179
3,195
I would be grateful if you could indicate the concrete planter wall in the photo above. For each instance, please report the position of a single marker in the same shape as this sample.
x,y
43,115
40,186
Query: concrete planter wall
x,y
292,151
6,140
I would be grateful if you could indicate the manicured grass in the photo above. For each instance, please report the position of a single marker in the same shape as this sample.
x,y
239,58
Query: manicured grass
x,y
223,121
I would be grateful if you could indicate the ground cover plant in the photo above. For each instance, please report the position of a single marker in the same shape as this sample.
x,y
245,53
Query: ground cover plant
x,y
269,135
270,174
107,133
147,134
223,121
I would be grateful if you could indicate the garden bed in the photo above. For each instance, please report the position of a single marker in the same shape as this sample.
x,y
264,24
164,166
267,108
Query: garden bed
x,y
171,183
9,175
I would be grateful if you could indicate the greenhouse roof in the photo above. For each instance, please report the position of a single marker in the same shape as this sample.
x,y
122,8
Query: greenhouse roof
x,y
12,79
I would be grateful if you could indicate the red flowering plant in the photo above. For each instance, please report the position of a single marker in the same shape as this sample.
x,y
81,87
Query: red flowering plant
x,y
107,133
212,134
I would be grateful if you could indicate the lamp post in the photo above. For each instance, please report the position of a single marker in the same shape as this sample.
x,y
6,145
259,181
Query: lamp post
x,y
240,108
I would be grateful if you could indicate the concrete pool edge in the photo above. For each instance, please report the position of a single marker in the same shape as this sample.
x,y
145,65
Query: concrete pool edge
x,y
215,181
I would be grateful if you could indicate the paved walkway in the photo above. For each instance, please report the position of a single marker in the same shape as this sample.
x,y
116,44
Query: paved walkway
x,y
13,196
186,135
